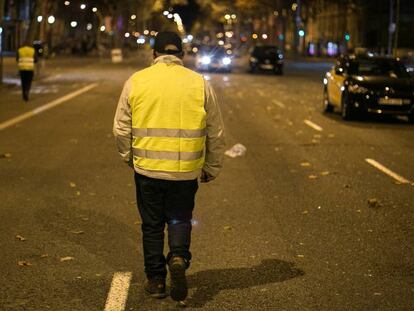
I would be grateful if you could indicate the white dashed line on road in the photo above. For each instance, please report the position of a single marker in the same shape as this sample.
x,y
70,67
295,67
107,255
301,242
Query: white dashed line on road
x,y
45,107
313,125
387,171
261,93
118,293
278,103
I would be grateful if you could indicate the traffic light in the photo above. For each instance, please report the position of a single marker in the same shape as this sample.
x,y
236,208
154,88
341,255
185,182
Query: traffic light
x,y
347,37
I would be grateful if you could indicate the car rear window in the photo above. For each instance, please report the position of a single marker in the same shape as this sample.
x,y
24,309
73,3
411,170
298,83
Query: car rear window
x,y
378,67
265,51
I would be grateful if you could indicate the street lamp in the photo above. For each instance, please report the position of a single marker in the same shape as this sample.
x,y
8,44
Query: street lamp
x,y
67,3
94,9
83,6
73,24
51,19
39,18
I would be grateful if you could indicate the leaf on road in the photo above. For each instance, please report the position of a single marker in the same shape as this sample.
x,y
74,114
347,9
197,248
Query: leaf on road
x,y
301,256
227,228
72,184
78,193
67,258
5,156
374,203
305,164
77,232
317,136
44,255
331,135
92,194
20,238
24,263
313,177
138,223
325,173
305,212
85,218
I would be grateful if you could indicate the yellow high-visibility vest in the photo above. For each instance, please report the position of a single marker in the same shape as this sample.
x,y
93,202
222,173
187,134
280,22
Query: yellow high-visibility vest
x,y
26,58
168,119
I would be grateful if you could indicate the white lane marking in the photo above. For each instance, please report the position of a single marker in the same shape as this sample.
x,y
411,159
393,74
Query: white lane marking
x,y
118,293
313,125
278,103
387,171
45,107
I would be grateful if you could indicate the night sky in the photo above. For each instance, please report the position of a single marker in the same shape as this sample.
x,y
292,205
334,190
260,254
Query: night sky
x,y
188,13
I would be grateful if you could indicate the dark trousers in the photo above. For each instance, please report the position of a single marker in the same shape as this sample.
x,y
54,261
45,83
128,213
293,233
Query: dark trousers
x,y
26,77
163,202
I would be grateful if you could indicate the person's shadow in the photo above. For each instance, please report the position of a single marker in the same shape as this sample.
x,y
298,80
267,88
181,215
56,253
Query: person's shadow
x,y
210,282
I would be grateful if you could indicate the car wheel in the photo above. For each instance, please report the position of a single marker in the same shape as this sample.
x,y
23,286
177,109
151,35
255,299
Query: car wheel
x,y
411,117
346,109
327,107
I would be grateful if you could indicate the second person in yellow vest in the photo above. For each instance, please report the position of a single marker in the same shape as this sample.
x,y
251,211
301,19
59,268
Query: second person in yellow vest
x,y
26,59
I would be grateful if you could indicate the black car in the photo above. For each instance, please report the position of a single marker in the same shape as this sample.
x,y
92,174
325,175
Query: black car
x,y
266,57
369,84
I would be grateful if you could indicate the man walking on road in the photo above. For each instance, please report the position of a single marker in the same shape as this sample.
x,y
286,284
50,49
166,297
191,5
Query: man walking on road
x,y
26,58
168,126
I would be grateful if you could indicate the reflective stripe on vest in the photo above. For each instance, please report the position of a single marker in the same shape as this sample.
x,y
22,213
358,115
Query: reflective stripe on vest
x,y
26,58
168,119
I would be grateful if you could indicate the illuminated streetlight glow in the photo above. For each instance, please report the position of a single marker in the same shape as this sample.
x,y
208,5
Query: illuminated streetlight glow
x,y
51,19
83,6
165,13
264,36
146,32
103,28
94,9
221,42
133,17
233,16
89,26
294,6
39,18
127,35
301,33
170,15
67,3
255,36
73,24
227,16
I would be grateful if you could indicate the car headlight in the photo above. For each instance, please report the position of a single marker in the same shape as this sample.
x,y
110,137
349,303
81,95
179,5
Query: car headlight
x,y
357,89
253,59
226,60
205,60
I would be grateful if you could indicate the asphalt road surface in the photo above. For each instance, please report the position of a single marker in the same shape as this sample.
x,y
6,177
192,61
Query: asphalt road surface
x,y
317,215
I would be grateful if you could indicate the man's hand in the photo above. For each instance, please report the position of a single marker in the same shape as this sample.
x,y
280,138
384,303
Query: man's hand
x,y
206,177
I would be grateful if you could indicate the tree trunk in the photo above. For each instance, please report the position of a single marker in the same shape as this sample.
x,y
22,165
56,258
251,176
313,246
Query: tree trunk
x,y
39,10
2,9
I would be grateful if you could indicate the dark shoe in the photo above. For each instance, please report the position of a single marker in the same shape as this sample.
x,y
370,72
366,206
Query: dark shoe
x,y
179,290
156,287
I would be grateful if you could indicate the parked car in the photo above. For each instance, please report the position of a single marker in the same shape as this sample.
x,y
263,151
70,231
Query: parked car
x,y
266,57
213,58
360,84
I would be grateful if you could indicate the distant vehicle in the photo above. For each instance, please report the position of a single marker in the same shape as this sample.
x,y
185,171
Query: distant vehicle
x,y
39,49
266,57
211,58
409,64
369,84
